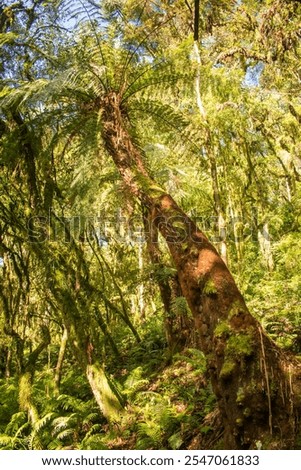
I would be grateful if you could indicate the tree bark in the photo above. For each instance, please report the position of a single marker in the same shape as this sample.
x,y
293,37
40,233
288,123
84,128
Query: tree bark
x,y
257,387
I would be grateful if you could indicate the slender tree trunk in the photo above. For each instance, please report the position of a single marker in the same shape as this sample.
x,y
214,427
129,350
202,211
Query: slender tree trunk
x,y
236,223
7,373
208,148
60,360
141,289
256,385
26,400
105,396
264,239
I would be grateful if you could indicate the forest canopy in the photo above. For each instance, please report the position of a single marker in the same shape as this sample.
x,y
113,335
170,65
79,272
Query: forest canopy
x,y
150,196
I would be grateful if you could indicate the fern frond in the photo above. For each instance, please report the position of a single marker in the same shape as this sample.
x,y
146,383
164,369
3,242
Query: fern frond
x,y
90,417
15,97
69,403
7,442
159,75
160,112
60,423
64,434
42,423
16,421
93,443
179,306
149,435
134,383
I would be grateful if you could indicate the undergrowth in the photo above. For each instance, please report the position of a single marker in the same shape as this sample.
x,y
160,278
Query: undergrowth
x,y
165,406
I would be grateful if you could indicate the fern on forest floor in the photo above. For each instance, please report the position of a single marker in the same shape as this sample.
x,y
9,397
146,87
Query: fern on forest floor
x,y
165,408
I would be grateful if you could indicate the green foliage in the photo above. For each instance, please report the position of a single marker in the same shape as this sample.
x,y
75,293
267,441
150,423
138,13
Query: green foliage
x,y
179,306
209,288
239,345
9,402
159,421
68,252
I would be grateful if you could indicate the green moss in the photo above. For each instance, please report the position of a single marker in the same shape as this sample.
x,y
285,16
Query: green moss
x,y
25,391
222,329
194,252
185,246
209,288
156,190
240,345
247,412
240,397
236,308
239,422
104,391
227,369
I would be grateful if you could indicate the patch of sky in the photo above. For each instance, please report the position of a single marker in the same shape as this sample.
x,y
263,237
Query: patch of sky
x,y
79,11
253,74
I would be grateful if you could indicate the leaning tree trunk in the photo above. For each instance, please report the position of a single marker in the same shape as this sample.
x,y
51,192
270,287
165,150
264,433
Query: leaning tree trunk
x,y
256,385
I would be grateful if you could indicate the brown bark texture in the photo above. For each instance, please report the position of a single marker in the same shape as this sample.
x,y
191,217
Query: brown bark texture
x,y
257,386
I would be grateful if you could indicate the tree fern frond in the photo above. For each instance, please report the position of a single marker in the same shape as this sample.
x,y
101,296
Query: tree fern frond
x,y
164,113
90,14
15,97
161,76
131,54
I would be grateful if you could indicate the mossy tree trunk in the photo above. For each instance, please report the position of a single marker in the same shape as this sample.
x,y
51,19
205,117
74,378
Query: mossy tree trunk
x,y
79,330
106,395
26,400
256,385
60,361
